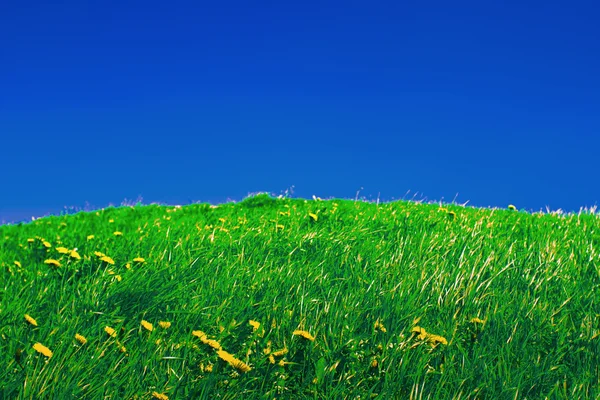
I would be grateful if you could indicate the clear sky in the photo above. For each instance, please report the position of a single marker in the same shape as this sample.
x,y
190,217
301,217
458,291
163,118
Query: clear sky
x,y
490,103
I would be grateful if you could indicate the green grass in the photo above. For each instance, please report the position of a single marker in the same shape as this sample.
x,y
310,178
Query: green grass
x,y
359,277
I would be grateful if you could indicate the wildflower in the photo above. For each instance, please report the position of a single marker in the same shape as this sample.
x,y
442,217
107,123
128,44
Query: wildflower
x,y
234,362
117,233
80,338
147,325
139,260
110,331
314,217
62,250
18,264
118,278
160,396
271,359
31,320
199,334
374,363
108,260
280,353
164,324
40,348
30,240
74,254
305,335
90,237
99,254
212,343
46,244
432,339
52,262
255,325
477,321
110,221
512,207
379,325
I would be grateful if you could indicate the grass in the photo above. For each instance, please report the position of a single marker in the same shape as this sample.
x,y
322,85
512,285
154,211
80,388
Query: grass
x,y
288,298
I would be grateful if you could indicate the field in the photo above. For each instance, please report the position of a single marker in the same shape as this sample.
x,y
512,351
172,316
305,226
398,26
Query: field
x,y
295,299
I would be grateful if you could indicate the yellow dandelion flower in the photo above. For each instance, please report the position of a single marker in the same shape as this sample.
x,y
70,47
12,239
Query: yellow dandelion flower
x,y
118,278
80,338
512,207
74,254
164,324
110,331
435,339
18,264
421,333
212,343
117,233
281,352
31,320
90,237
305,335
374,363
108,260
99,254
160,396
40,348
314,217
208,368
272,359
110,221
128,266
157,342
52,262
234,362
62,250
123,349
139,260
46,244
477,321
255,325
30,240
379,325
147,325
199,334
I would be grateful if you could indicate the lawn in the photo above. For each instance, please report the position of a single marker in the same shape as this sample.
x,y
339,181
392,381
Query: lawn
x,y
295,299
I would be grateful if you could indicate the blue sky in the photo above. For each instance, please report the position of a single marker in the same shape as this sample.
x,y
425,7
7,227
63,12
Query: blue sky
x,y
177,102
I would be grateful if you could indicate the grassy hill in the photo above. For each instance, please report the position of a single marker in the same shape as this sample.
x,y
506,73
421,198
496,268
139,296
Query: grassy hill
x,y
288,298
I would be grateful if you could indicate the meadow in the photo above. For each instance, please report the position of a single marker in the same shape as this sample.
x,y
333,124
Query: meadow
x,y
280,298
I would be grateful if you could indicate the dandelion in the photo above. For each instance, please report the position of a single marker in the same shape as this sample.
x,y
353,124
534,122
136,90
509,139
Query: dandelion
x,y
199,334
46,244
108,260
30,240
139,260
80,338
379,325
280,353
118,278
164,324
90,237
62,250
272,359
477,321
111,221
117,233
160,396
128,266
99,254
52,262
40,348
110,331
31,320
18,264
374,363
512,207
147,325
234,362
74,254
212,343
305,335
314,217
255,325
432,339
